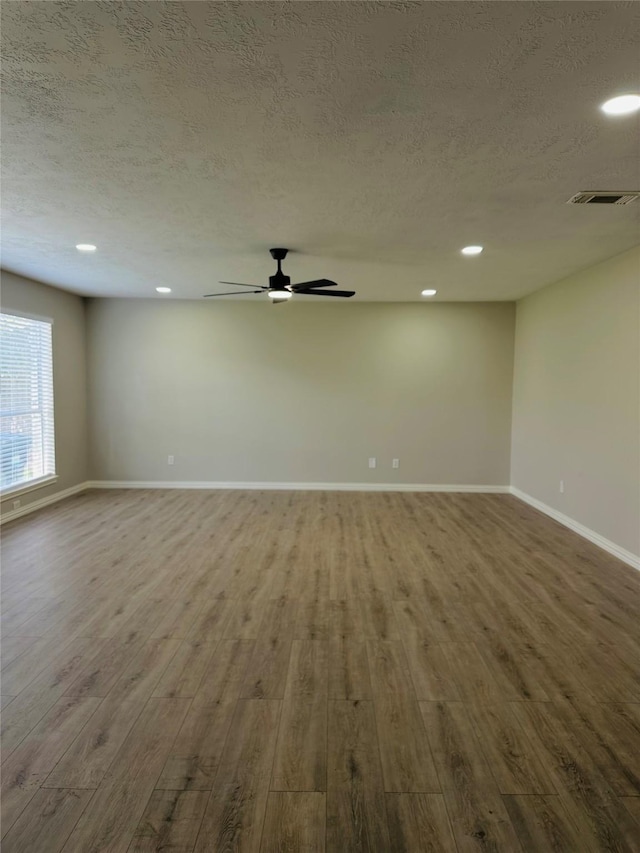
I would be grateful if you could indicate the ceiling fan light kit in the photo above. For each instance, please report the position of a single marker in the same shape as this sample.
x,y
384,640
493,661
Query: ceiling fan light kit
x,y
280,288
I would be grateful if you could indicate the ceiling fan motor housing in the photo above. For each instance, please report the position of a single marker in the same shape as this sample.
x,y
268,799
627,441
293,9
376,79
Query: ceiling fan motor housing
x,y
279,280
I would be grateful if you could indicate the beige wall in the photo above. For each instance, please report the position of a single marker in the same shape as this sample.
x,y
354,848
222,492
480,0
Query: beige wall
x,y
576,403
69,377
300,392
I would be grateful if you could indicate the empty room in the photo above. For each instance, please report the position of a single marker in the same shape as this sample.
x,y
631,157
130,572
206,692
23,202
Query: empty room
x,y
284,574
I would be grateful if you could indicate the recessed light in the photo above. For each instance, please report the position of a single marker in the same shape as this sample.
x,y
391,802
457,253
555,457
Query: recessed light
x,y
429,292
86,247
163,289
622,105
471,250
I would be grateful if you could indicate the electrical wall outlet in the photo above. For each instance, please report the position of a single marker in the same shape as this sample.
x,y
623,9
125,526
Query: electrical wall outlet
x,y
15,504
561,487
395,463
170,460
372,462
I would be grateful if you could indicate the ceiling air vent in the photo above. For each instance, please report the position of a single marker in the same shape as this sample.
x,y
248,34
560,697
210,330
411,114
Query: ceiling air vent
x,y
606,197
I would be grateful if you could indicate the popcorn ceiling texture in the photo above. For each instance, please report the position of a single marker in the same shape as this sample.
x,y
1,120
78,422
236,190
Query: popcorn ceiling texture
x,y
375,139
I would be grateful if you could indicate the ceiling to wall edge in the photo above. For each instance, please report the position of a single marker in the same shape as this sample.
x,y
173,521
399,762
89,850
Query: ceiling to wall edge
x,y
417,301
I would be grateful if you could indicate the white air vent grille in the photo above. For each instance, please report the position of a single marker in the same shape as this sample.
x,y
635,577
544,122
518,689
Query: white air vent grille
x,y
605,197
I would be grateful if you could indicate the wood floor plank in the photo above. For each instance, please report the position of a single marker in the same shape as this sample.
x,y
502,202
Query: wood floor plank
x,y
473,678
346,619
308,669
42,619
554,672
441,624
607,676
182,678
344,581
407,764
478,815
105,668
294,823
279,618
47,821
632,804
300,762
26,769
30,706
356,817
143,621
119,803
610,733
141,677
225,672
267,671
245,618
576,776
171,821
512,670
515,765
195,755
43,654
419,822
313,580
235,812
312,620
103,616
389,669
12,647
87,760
16,616
378,617
433,678
178,620
210,623
544,826
348,668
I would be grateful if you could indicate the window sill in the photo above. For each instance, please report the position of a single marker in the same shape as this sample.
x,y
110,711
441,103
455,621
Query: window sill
x,y
32,485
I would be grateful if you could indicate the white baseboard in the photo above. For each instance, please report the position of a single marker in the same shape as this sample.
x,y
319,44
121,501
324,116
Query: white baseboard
x,y
307,487
50,499
606,544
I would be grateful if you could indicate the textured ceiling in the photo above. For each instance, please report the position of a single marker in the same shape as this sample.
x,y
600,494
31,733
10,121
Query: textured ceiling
x,y
375,139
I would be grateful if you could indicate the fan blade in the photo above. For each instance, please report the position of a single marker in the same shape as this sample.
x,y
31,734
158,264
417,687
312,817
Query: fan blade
x,y
345,293
310,285
233,293
239,284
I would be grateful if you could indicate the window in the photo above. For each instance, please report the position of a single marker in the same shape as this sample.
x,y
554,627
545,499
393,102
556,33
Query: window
x,y
27,448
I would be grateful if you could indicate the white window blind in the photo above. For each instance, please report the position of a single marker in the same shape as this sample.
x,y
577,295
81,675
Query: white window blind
x,y
27,449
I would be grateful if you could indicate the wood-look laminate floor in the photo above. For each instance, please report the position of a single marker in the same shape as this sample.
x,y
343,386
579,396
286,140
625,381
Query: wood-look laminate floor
x,y
288,671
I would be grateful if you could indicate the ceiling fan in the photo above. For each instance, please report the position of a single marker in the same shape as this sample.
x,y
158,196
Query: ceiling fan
x,y
280,288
